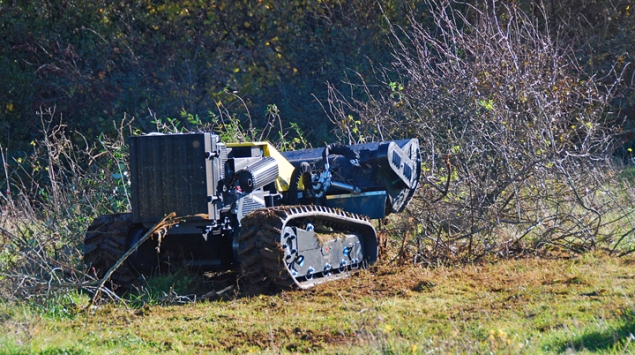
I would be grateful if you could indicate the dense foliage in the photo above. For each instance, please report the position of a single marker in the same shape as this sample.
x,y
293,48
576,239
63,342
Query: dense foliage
x,y
97,61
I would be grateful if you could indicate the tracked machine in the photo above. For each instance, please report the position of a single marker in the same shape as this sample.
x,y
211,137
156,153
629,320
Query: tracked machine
x,y
285,220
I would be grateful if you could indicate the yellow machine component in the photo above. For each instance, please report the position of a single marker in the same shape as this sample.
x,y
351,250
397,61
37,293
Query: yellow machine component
x,y
285,169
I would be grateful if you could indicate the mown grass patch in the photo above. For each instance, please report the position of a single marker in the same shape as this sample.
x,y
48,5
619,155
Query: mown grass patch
x,y
522,306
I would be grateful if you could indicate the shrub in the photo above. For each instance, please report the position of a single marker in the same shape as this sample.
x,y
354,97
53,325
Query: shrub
x,y
51,196
517,139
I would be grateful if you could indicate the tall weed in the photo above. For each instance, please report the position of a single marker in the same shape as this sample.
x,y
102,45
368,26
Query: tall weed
x,y
51,195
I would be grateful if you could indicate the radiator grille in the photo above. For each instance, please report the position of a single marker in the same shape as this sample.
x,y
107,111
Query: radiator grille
x,y
172,173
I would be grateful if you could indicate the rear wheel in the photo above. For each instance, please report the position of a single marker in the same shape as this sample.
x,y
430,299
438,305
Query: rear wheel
x,y
105,243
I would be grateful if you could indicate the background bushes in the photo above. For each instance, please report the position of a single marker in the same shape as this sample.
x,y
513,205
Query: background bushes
x,y
97,61
518,135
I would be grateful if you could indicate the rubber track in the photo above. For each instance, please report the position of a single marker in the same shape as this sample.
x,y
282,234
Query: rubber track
x,y
105,243
261,256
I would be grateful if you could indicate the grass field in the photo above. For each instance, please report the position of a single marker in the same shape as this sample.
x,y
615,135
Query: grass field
x,y
527,306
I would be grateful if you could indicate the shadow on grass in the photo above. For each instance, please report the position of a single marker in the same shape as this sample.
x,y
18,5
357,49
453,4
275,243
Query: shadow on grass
x,y
618,337
183,286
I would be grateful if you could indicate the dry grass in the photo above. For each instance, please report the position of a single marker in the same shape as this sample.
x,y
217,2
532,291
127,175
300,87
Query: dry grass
x,y
512,306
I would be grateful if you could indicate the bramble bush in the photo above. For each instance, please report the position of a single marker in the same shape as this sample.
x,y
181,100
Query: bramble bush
x,y
517,138
50,197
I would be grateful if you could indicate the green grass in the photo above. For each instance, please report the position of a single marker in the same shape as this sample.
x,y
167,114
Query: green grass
x,y
530,306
